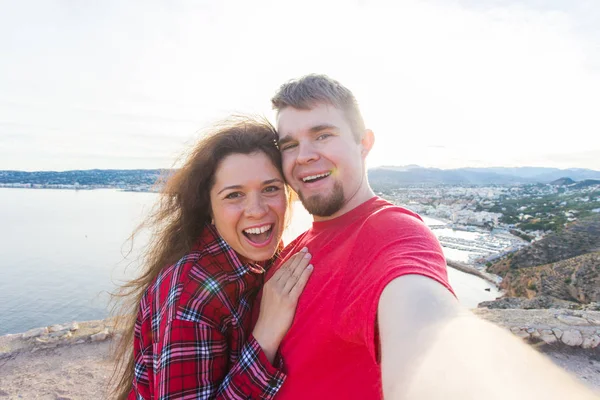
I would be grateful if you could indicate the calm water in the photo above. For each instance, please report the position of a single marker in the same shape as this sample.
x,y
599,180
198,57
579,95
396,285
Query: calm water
x,y
62,250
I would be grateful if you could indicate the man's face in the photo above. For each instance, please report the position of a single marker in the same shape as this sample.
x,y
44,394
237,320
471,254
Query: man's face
x,y
322,160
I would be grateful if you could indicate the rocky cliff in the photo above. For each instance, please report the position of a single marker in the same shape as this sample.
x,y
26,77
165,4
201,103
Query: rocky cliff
x,y
563,265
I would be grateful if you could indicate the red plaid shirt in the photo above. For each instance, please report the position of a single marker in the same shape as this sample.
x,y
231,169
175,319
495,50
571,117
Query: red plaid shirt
x,y
191,334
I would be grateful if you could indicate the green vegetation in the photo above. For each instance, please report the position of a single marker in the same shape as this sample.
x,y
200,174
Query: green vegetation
x,y
532,212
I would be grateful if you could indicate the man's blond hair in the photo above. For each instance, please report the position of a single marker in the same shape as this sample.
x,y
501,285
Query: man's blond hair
x,y
308,91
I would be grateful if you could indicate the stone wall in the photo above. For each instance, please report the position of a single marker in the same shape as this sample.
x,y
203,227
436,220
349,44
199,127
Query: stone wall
x,y
553,326
569,327
74,333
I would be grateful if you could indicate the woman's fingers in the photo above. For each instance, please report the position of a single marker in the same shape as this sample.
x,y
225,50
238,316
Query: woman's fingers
x,y
295,273
288,267
301,282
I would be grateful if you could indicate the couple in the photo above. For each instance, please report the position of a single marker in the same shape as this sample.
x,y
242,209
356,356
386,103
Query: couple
x,y
357,307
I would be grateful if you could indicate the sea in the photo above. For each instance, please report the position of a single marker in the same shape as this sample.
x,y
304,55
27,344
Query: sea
x,y
62,252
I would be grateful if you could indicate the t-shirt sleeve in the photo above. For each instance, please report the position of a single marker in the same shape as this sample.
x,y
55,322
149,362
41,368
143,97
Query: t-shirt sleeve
x,y
391,245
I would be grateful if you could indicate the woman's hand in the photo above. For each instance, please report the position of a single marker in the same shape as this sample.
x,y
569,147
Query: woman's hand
x,y
279,299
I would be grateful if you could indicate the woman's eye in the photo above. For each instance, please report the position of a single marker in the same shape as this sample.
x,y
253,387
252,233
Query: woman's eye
x,y
233,195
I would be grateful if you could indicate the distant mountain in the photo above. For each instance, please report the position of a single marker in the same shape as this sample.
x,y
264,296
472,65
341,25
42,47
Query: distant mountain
x,y
390,176
414,175
562,182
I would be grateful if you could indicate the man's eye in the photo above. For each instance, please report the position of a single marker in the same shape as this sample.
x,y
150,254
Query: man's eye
x,y
271,189
288,146
234,195
323,136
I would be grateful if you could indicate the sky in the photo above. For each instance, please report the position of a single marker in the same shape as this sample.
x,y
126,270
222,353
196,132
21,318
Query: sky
x,y
444,84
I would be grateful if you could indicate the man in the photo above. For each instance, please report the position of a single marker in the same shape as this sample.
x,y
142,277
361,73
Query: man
x,y
378,316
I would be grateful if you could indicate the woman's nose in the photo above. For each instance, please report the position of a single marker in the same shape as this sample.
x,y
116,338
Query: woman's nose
x,y
256,206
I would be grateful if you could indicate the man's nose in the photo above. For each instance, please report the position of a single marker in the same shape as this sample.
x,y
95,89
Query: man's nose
x,y
306,153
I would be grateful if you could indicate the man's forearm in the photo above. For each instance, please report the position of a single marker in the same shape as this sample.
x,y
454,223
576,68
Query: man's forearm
x,y
432,349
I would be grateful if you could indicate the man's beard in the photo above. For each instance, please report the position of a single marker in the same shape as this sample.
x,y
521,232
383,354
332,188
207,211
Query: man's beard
x,y
324,206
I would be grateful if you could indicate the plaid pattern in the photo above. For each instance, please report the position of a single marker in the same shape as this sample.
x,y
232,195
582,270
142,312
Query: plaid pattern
x,y
191,334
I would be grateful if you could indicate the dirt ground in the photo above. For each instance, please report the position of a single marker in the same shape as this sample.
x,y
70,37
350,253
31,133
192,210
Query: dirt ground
x,y
82,371
65,373
585,364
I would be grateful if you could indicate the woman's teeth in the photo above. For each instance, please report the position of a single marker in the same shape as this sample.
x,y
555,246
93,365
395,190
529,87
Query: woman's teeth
x,y
258,231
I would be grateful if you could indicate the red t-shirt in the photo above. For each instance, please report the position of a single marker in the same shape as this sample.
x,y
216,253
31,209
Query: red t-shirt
x,y
331,350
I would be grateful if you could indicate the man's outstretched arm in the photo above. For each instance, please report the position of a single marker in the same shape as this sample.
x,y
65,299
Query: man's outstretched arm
x,y
432,348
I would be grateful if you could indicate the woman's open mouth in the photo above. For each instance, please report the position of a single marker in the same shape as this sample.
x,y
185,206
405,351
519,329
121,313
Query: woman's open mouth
x,y
259,236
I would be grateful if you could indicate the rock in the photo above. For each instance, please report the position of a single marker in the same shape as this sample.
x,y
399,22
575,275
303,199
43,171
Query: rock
x,y
58,333
58,328
49,340
34,333
535,334
515,329
74,326
80,341
591,342
557,332
100,336
522,334
571,320
530,330
593,321
3,393
572,338
549,339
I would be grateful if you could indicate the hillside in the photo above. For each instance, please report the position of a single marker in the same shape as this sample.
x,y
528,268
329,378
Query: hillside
x,y
576,279
580,237
563,265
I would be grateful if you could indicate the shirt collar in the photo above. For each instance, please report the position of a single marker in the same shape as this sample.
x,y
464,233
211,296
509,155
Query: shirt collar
x,y
214,244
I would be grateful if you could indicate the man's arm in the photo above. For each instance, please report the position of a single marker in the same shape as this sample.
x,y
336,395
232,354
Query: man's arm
x,y
432,348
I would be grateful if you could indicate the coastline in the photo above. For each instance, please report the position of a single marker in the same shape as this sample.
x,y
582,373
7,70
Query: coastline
x,y
473,271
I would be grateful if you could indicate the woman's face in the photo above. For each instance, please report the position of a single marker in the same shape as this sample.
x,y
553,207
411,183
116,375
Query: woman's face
x,y
249,202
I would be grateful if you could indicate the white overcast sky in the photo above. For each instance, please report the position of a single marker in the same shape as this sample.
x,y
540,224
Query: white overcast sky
x,y
447,84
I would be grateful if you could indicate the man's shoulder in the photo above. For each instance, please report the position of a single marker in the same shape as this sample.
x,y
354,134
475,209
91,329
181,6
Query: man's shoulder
x,y
388,218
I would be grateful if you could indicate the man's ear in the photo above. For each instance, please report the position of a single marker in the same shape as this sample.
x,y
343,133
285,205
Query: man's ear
x,y
367,142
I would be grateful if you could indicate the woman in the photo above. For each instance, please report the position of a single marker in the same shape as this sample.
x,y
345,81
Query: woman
x,y
218,223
